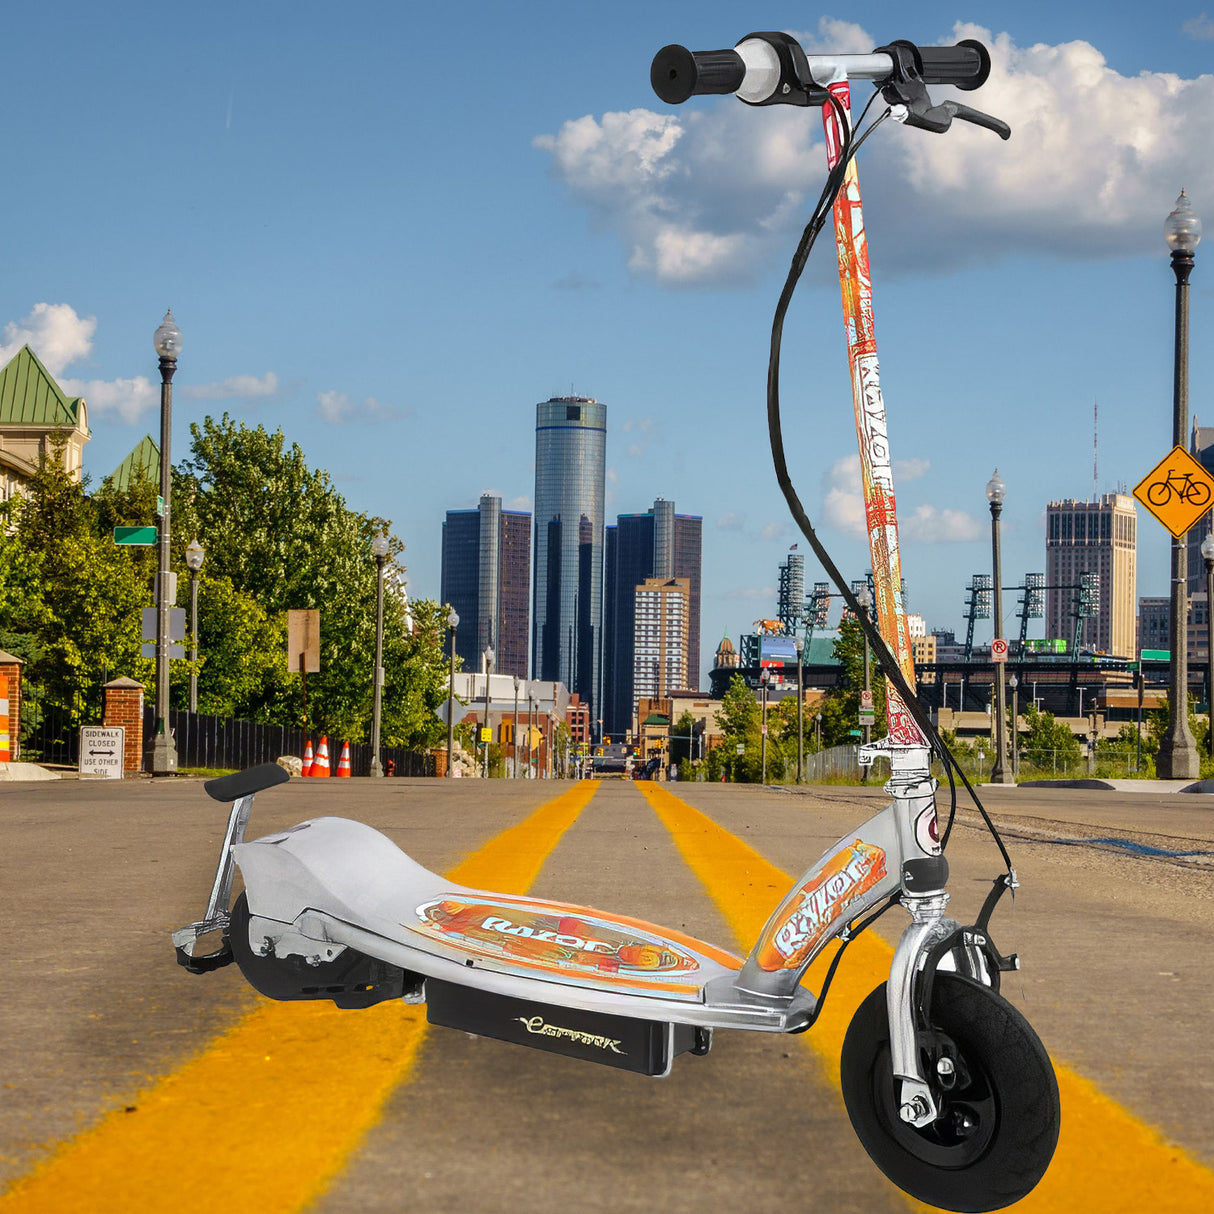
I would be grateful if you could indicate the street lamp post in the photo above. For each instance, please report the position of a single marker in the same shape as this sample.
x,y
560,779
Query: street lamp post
x,y
799,645
995,491
379,550
763,680
818,743
194,554
1207,555
514,730
865,599
452,624
1177,758
167,341
488,676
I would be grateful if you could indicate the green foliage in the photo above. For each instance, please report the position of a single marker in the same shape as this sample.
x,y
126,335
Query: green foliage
x,y
682,738
841,710
277,536
1048,743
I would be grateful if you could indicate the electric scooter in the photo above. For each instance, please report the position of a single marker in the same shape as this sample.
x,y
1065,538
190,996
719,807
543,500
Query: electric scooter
x,y
947,1086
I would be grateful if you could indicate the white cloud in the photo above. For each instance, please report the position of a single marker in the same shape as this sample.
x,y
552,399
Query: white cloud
x,y
709,195
773,530
750,594
910,469
1200,27
235,386
127,399
843,505
934,525
732,521
55,332
338,408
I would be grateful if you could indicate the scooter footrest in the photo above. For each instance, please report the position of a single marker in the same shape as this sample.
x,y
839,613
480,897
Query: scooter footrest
x,y
646,1047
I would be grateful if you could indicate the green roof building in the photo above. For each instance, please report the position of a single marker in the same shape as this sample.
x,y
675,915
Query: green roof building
x,y
33,411
143,462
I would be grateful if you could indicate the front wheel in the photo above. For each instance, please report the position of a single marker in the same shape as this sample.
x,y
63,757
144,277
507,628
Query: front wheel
x,y
999,1115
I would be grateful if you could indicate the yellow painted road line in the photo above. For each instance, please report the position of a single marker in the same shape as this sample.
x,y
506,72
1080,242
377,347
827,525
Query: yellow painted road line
x,y
1107,1160
269,1113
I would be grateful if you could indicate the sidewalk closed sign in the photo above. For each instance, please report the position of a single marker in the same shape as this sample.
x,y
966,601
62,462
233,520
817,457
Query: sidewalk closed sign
x,y
101,751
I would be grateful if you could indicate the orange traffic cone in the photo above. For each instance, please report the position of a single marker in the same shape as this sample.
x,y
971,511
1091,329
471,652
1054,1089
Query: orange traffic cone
x,y
307,759
321,766
343,764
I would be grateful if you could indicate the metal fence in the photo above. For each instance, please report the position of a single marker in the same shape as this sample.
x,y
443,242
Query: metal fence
x,y
219,743
54,739
838,762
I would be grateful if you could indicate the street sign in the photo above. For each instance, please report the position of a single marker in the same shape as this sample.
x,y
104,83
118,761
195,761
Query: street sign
x,y
176,623
135,535
1177,491
855,733
148,650
1156,655
867,716
441,711
101,751
999,650
741,748
866,699
486,733
303,641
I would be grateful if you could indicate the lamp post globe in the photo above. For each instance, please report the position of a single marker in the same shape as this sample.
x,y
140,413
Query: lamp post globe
x,y
167,343
1177,758
452,625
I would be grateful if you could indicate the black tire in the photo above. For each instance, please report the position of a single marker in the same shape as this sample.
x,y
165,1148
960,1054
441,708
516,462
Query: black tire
x,y
1159,493
998,1124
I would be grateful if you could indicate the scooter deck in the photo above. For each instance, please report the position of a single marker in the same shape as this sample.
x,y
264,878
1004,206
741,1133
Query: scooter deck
x,y
332,881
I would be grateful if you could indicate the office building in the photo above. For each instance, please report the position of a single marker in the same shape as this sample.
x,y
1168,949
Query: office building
x,y
486,577
570,472
656,544
1096,537
661,637
1155,626
1201,447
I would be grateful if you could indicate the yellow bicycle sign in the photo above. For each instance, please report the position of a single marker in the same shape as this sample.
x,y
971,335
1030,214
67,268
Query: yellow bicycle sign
x,y
1177,491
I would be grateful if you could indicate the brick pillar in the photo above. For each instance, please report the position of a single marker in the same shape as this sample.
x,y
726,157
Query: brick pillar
x,y
124,706
10,666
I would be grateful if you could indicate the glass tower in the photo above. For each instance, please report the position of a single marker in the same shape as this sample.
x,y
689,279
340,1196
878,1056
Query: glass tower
x,y
570,470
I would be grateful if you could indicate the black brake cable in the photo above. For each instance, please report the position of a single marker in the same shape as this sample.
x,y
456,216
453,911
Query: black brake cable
x,y
886,659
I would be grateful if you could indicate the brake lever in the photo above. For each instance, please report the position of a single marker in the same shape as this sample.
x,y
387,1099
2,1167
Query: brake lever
x,y
966,114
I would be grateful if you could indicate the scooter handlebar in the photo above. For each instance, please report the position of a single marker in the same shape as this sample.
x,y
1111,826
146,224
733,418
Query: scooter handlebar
x,y
964,66
677,73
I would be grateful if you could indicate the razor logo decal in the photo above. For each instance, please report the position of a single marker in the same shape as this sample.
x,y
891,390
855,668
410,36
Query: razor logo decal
x,y
539,1026
556,937
806,918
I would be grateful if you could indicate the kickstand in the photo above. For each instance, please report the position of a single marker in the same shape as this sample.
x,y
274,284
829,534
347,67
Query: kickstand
x,y
217,914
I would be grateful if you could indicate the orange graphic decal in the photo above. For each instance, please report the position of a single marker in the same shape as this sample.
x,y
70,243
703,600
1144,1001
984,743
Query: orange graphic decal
x,y
849,874
553,937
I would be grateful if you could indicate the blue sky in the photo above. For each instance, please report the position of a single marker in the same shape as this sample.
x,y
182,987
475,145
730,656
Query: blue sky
x,y
390,232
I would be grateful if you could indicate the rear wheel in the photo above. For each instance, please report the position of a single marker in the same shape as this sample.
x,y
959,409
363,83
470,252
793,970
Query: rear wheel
x,y
996,1092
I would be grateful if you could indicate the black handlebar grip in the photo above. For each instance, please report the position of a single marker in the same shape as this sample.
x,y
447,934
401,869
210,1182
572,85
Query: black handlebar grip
x,y
677,73
964,66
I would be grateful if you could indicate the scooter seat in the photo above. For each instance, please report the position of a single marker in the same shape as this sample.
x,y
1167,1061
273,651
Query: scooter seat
x,y
246,783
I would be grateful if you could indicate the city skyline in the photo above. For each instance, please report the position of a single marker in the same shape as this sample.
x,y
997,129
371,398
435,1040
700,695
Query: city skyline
x,y
577,236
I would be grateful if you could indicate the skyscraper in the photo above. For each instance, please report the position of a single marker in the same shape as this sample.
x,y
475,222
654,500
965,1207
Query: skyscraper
x,y
659,664
1201,447
486,576
1093,537
657,544
570,471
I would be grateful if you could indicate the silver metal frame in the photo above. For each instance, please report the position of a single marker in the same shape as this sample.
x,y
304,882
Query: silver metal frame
x,y
329,884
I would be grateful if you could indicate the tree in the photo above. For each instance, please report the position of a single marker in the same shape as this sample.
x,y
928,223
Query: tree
x,y
739,719
1049,743
682,738
841,711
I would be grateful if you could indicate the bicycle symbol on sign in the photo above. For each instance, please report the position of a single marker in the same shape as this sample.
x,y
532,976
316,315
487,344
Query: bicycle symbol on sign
x,y
1182,485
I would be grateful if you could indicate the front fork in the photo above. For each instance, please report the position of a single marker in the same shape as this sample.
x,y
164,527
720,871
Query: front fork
x,y
923,877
